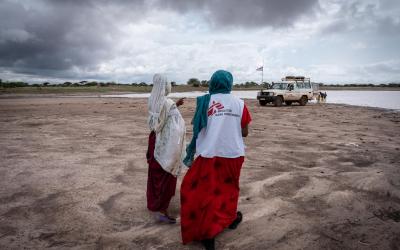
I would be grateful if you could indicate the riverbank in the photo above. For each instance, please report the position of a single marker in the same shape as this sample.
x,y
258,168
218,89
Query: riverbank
x,y
123,89
73,175
91,90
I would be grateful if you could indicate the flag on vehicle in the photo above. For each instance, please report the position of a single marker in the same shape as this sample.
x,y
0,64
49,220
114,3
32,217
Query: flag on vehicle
x,y
260,68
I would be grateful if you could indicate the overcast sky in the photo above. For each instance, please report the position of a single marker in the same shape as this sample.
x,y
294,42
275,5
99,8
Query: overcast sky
x,y
332,41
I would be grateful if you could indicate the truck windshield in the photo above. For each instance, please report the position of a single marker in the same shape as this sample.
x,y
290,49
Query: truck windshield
x,y
278,86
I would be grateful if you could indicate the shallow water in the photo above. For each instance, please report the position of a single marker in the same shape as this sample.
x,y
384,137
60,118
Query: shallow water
x,y
380,99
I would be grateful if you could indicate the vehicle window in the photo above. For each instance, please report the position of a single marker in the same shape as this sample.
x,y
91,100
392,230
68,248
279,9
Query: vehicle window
x,y
307,85
278,86
275,86
300,85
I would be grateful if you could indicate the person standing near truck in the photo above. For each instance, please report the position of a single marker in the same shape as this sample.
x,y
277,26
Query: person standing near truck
x,y
210,188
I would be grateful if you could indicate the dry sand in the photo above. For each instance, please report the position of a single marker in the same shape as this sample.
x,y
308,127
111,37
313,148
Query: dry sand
x,y
73,175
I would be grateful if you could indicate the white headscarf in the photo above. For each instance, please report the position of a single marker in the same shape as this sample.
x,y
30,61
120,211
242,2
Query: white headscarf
x,y
157,100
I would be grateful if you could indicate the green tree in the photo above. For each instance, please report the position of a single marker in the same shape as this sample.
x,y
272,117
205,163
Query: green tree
x,y
194,82
94,83
266,85
14,84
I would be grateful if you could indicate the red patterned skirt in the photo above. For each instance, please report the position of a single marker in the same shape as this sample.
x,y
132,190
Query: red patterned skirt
x,y
161,185
209,197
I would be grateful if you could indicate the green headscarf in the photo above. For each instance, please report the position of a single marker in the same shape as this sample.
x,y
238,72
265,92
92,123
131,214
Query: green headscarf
x,y
220,83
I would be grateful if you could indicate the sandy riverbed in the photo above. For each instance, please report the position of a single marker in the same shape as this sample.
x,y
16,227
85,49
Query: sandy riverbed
x,y
73,175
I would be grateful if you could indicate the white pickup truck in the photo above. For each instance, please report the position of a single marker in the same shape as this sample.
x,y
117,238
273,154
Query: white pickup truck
x,y
291,89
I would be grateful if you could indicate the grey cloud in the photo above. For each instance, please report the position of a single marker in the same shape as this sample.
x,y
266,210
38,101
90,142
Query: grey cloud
x,y
337,26
392,68
237,13
54,36
57,35
387,26
358,16
71,38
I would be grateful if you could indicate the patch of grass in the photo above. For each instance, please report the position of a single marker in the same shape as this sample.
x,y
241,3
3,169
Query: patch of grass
x,y
91,89
145,89
67,90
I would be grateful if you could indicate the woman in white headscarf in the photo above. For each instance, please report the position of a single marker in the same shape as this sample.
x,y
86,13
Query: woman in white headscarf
x,y
166,148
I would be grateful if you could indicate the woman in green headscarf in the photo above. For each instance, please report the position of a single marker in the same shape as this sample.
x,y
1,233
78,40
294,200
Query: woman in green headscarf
x,y
210,188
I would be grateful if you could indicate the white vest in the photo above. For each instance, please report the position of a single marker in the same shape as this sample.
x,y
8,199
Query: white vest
x,y
223,135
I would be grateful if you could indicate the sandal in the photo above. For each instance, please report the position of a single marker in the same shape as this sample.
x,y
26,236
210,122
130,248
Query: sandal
x,y
236,222
165,218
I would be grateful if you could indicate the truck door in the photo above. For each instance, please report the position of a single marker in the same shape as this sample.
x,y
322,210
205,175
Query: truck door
x,y
298,91
289,93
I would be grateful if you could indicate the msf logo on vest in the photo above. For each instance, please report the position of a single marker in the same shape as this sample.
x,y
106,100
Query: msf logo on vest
x,y
214,108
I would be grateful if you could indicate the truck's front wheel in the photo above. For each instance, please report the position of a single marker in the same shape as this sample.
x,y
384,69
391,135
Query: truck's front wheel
x,y
278,101
262,102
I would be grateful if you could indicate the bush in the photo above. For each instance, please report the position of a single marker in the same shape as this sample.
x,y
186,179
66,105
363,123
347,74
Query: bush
x,y
13,84
91,84
194,82
67,84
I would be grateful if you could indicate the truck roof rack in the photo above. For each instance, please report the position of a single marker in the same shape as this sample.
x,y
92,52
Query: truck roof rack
x,y
296,78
